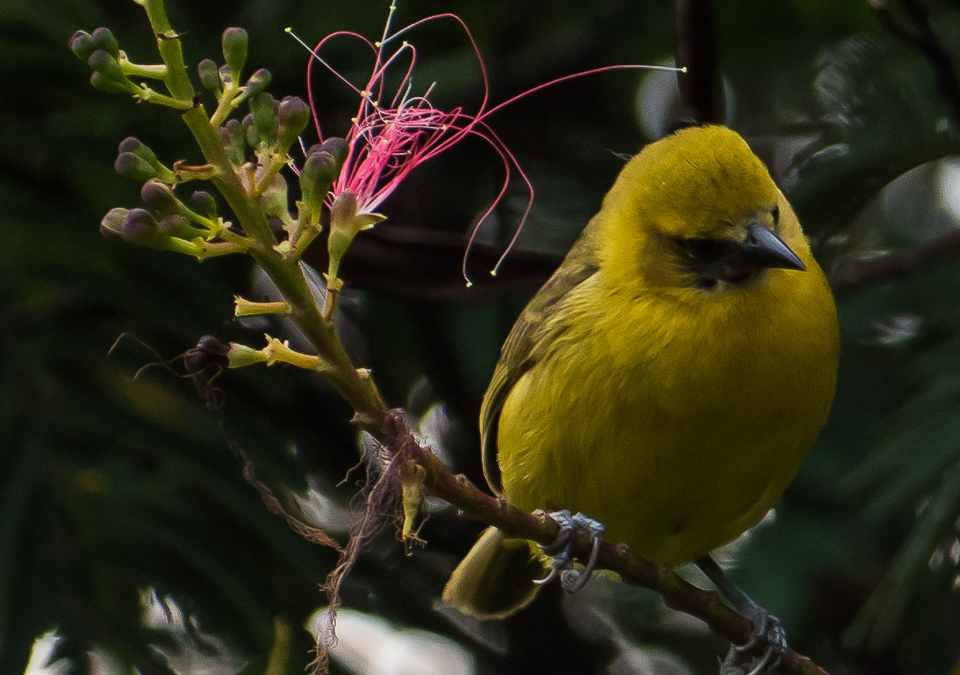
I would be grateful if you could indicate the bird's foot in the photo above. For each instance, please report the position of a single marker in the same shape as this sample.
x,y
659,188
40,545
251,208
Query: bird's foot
x,y
561,565
739,660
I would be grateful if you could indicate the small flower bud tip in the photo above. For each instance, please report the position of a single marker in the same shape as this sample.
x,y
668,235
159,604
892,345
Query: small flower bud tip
x,y
293,115
133,166
209,76
112,224
225,73
140,227
103,62
234,44
159,196
259,81
204,203
103,39
337,147
82,44
134,145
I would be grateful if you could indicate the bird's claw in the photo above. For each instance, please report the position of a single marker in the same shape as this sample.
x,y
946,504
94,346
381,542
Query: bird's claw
x,y
561,565
765,626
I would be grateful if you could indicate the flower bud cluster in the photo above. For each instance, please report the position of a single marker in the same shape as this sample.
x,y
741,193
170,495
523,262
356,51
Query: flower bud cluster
x,y
166,222
101,51
257,147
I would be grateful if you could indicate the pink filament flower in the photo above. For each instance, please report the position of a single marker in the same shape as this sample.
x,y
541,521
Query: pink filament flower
x,y
394,133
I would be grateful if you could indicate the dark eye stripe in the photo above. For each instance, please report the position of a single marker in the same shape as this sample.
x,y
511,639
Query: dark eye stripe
x,y
706,251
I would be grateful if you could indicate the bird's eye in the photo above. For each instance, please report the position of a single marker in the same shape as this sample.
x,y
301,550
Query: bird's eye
x,y
708,250
776,215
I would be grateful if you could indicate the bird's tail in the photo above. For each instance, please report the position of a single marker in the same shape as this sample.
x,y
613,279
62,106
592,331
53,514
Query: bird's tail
x,y
495,580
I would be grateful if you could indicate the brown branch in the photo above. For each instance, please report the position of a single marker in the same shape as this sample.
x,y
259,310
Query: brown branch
x,y
700,85
895,266
676,592
915,29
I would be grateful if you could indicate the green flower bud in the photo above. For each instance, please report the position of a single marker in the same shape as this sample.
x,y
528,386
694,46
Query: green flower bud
x,y
103,39
293,115
112,223
259,81
317,174
274,198
159,197
133,166
209,78
234,43
107,74
140,227
337,147
82,44
134,145
263,107
204,204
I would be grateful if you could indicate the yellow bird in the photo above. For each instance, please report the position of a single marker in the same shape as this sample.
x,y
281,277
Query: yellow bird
x,y
670,376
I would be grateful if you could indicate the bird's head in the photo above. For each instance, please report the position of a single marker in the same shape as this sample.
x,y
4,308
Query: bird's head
x,y
698,210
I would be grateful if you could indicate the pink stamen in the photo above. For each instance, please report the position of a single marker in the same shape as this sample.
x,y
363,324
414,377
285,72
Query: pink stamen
x,y
386,143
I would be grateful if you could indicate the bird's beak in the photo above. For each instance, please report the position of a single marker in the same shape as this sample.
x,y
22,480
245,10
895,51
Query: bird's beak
x,y
763,248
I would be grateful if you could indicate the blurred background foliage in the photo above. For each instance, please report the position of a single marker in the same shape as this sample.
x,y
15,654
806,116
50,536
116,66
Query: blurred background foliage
x,y
126,527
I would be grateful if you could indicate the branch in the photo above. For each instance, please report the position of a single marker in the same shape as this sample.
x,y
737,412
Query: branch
x,y
675,591
915,29
888,268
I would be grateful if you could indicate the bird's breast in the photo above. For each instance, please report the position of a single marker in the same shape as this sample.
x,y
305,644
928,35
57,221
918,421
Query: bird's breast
x,y
678,426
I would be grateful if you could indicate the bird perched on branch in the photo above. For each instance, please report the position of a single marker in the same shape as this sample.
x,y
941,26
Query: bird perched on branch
x,y
667,380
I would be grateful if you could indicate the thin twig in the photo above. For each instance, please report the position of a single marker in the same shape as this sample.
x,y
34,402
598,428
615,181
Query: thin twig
x,y
700,85
871,273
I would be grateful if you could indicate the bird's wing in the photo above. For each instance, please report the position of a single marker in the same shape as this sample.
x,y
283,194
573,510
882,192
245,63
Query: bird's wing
x,y
527,341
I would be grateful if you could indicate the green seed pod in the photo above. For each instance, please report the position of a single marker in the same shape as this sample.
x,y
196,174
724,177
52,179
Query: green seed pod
x,y
159,197
112,223
259,81
204,204
82,44
293,115
234,43
103,39
209,77
133,166
140,227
